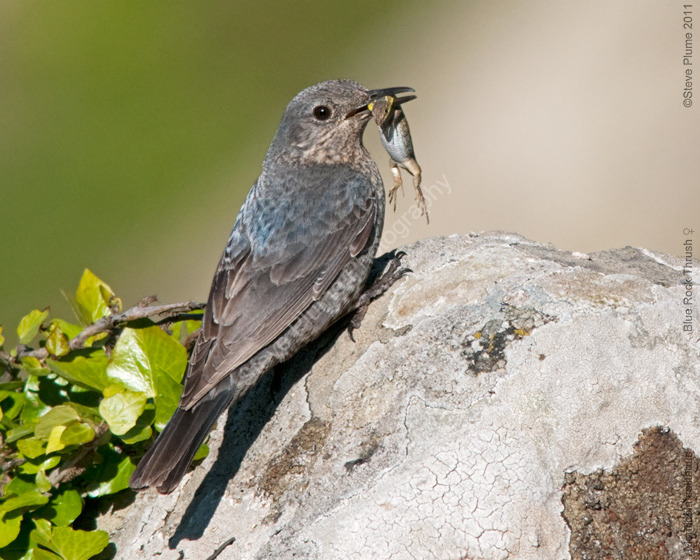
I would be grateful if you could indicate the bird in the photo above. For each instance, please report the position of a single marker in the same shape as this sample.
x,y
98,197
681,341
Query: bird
x,y
298,260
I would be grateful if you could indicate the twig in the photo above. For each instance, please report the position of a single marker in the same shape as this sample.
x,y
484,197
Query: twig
x,y
221,548
171,312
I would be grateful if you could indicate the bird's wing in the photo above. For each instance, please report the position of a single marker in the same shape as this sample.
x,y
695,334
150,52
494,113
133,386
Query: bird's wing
x,y
266,280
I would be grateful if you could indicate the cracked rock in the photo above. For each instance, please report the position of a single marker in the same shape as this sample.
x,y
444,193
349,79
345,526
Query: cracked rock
x,y
488,410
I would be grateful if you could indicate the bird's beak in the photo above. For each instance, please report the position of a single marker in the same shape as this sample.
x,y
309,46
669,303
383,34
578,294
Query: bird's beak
x,y
375,94
392,91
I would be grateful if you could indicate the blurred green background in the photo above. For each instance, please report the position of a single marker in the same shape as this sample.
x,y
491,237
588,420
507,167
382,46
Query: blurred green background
x,y
121,121
130,132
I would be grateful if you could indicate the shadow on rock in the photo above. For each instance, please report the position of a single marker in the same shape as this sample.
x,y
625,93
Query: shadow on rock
x,y
248,417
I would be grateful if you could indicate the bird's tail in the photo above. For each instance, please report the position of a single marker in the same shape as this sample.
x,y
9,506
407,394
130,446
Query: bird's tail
x,y
165,463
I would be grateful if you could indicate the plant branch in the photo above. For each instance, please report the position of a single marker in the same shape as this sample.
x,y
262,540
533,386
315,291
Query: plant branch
x,y
223,546
108,324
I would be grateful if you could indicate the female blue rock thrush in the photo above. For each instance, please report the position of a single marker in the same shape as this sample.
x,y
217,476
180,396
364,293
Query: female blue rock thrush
x,y
297,260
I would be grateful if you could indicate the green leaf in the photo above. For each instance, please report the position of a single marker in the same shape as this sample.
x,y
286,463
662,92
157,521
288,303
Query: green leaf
x,y
93,298
31,447
25,501
42,482
112,390
19,432
167,399
183,329
57,343
202,452
18,486
69,329
29,325
33,467
55,443
87,368
9,528
137,434
63,509
42,533
142,430
150,362
34,407
86,412
41,554
111,476
20,548
77,433
13,403
142,355
33,366
2,338
12,385
78,545
122,410
58,416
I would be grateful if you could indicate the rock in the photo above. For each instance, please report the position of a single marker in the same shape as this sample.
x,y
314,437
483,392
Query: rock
x,y
643,508
483,393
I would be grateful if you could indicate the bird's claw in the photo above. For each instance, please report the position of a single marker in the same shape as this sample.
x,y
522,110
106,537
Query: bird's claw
x,y
392,274
356,321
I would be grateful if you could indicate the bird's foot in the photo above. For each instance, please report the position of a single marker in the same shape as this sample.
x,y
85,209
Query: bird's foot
x,y
392,274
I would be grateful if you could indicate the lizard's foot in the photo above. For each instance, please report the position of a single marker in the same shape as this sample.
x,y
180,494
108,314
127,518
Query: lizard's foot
x,y
398,184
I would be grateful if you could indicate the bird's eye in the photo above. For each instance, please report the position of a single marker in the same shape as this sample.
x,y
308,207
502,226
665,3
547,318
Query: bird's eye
x,y
322,113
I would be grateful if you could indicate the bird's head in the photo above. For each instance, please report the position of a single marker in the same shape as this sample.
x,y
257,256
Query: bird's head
x,y
324,123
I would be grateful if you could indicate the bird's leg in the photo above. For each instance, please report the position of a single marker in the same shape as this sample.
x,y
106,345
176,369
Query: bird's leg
x,y
393,273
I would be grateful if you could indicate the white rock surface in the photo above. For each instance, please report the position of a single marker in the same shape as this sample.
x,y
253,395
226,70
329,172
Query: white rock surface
x,y
446,431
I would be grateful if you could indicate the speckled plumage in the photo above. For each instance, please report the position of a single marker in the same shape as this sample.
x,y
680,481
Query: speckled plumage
x,y
297,259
